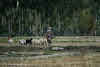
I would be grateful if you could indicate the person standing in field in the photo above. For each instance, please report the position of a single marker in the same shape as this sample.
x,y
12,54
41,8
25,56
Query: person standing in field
x,y
10,40
49,36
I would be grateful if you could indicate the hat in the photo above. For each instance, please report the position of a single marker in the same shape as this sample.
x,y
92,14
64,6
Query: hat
x,y
48,30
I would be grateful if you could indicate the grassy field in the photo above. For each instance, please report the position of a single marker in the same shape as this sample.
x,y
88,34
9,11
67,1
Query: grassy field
x,y
62,61
59,39
12,60
62,40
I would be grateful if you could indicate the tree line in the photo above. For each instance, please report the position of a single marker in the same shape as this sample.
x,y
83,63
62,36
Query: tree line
x,y
66,17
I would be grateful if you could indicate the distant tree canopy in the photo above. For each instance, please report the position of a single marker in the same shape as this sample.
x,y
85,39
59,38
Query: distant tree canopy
x,y
66,17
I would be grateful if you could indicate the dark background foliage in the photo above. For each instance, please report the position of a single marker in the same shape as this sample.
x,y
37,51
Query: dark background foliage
x,y
66,17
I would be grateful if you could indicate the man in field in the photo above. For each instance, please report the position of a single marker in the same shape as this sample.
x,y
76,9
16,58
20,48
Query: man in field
x,y
49,35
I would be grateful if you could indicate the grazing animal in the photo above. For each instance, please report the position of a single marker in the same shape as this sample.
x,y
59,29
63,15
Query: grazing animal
x,y
37,43
40,43
25,42
22,42
29,41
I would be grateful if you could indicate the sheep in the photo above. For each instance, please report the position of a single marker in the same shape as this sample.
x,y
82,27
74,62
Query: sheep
x,y
44,42
22,42
29,41
36,43
40,43
25,42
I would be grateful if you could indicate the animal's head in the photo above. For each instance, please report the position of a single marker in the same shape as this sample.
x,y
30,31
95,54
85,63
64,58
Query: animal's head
x,y
31,38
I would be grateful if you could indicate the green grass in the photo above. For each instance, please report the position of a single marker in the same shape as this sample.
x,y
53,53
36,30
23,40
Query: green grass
x,y
57,39
3,40
75,41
